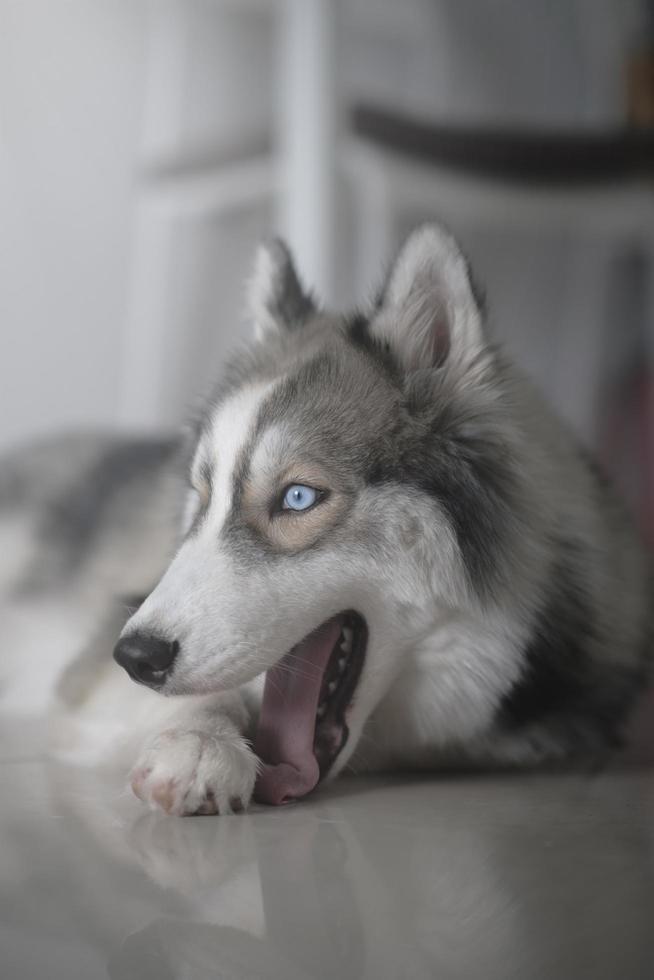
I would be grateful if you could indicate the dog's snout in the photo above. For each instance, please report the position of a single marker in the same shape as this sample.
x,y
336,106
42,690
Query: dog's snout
x,y
147,659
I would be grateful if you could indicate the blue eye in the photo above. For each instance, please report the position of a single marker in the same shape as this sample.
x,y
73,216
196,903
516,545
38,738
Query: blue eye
x,y
299,497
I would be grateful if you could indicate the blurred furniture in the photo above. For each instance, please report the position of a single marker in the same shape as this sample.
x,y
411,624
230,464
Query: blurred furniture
x,y
298,174
595,183
599,185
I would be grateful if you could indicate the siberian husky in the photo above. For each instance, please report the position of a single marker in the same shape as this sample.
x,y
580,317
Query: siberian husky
x,y
376,549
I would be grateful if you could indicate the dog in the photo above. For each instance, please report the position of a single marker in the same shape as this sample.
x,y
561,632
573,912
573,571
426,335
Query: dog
x,y
375,548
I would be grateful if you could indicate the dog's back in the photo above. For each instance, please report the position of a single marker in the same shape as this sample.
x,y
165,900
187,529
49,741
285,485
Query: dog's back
x,y
87,525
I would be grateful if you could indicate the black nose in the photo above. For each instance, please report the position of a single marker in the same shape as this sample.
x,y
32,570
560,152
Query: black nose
x,y
146,658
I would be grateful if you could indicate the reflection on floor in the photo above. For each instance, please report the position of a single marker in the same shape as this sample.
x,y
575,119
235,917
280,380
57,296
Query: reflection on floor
x,y
528,877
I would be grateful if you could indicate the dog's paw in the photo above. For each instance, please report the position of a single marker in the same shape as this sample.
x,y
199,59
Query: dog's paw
x,y
193,772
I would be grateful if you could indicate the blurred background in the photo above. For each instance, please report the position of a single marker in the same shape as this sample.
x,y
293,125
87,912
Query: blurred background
x,y
146,145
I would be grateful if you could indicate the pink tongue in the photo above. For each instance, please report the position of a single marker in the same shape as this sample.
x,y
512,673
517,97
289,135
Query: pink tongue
x,y
287,721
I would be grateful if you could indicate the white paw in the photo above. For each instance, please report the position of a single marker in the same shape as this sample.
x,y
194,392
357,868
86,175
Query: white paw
x,y
185,772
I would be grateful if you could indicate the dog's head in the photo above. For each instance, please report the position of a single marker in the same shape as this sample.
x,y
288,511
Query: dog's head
x,y
341,495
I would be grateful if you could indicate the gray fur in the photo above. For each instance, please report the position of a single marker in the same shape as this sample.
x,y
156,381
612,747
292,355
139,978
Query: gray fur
x,y
348,399
450,468
277,298
72,521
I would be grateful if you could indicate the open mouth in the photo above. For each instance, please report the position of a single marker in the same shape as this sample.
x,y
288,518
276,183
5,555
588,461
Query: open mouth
x,y
302,723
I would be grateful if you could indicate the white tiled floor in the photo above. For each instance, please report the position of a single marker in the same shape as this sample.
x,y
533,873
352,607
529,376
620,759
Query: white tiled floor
x,y
528,877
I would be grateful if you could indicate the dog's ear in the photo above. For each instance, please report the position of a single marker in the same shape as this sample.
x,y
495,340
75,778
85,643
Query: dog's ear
x,y
427,311
276,298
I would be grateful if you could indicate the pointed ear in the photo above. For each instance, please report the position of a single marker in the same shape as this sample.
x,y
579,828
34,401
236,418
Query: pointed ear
x,y
427,312
276,298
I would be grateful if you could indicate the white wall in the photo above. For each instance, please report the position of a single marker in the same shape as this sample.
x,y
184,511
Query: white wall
x,y
70,105
77,123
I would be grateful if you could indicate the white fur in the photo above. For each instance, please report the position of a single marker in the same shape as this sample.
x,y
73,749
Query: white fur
x,y
429,292
438,661
207,768
221,446
266,270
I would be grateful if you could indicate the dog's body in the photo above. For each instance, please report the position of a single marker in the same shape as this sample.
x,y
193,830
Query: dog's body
x,y
387,487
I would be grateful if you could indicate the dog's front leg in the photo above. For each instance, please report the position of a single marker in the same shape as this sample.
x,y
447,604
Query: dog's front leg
x,y
200,763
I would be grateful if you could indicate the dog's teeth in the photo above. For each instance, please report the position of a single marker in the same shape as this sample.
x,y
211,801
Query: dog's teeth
x,y
331,687
321,710
341,664
346,639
